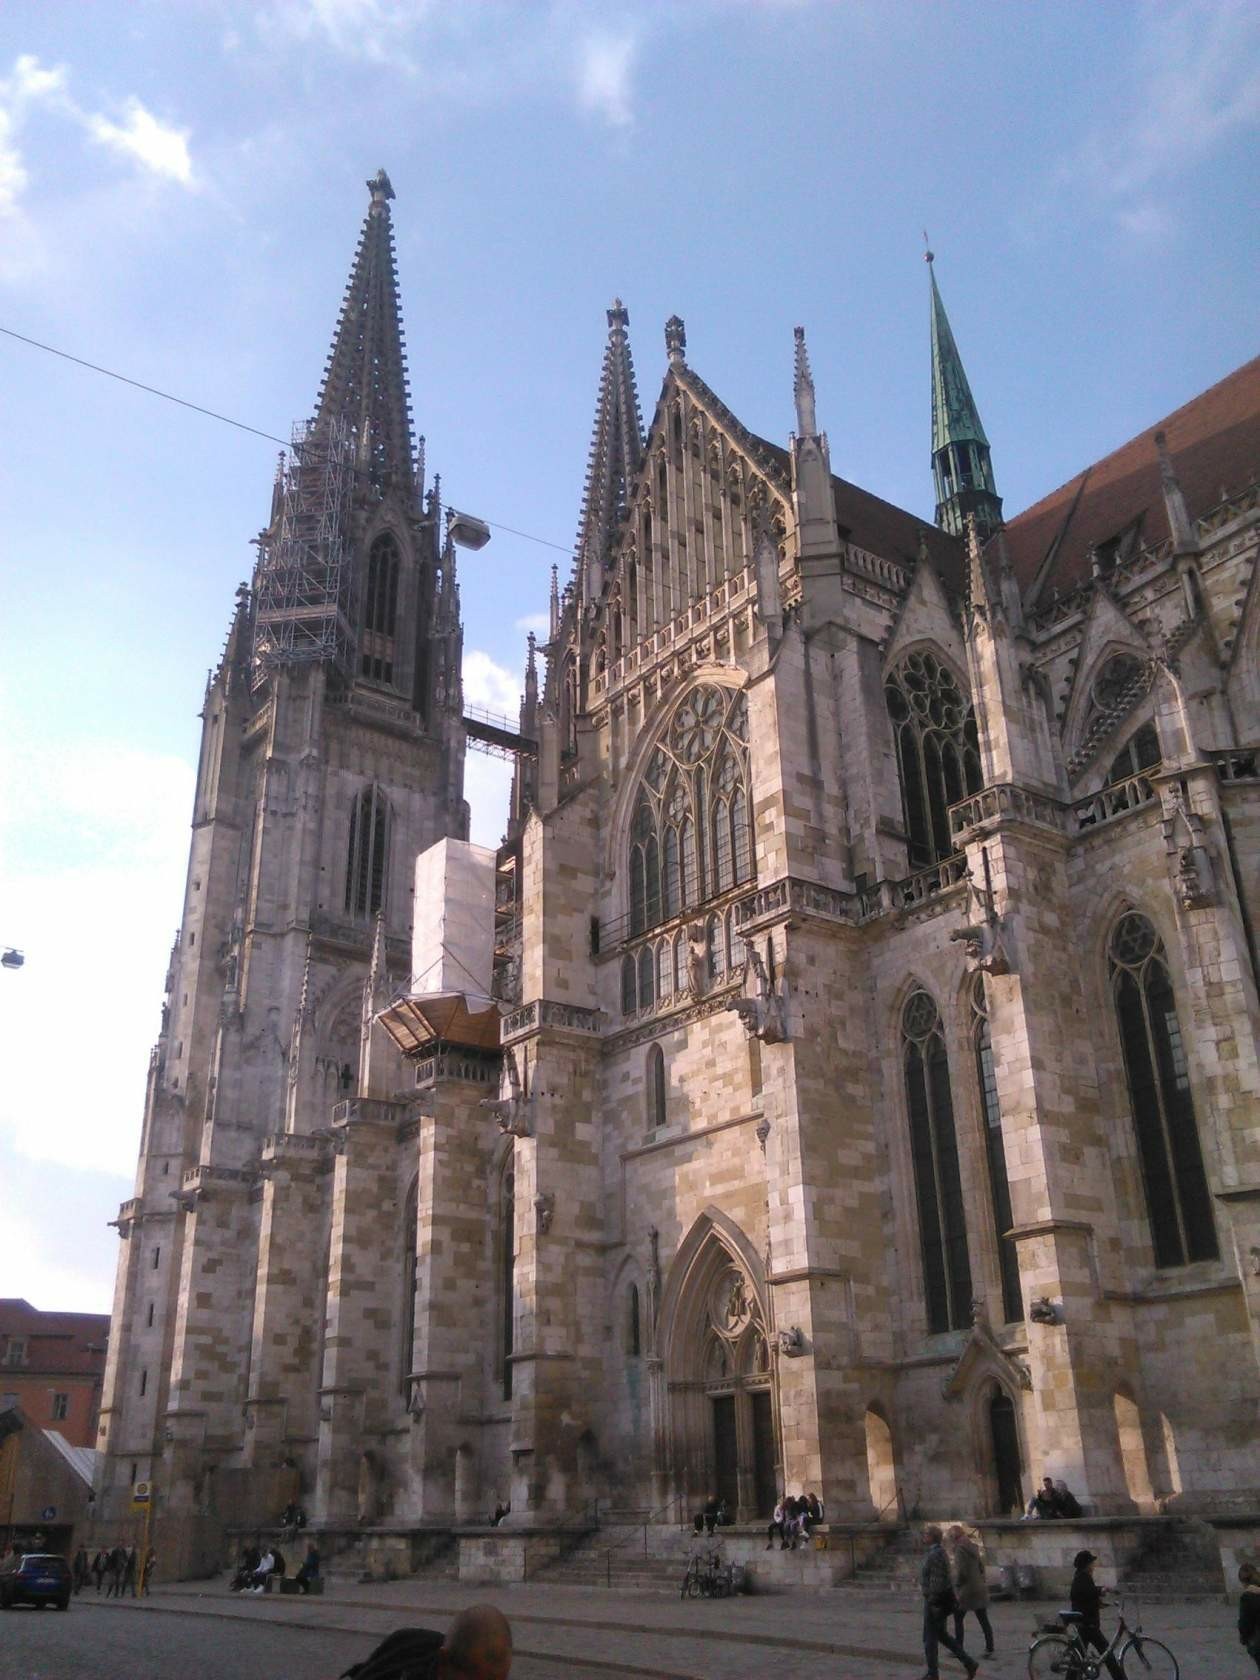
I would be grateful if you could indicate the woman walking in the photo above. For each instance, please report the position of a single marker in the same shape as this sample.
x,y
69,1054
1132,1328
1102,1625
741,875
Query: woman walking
x,y
971,1590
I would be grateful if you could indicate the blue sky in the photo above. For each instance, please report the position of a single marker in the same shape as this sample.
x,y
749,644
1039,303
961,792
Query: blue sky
x,y
181,189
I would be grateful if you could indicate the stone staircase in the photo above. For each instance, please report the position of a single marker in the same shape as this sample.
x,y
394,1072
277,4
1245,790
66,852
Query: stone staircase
x,y
615,1556
893,1568
1180,1560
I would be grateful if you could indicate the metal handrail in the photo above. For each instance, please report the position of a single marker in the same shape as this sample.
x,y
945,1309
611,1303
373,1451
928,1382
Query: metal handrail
x,y
660,1511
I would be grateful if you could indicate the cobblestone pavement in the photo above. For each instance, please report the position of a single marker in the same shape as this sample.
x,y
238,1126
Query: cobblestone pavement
x,y
200,1630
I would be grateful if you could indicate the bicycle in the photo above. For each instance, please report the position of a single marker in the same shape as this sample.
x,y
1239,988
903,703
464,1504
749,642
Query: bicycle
x,y
1065,1656
706,1578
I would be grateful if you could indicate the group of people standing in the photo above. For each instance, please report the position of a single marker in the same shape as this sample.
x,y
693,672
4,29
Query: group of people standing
x,y
794,1517
118,1569
954,1585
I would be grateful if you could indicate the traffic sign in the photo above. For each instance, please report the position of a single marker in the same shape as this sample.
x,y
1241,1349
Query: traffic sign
x,y
141,1494
48,1513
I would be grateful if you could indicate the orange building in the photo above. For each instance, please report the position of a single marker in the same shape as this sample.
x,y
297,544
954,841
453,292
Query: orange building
x,y
53,1364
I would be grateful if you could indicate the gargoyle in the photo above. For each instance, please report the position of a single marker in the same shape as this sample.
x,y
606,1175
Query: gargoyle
x,y
513,1110
764,1012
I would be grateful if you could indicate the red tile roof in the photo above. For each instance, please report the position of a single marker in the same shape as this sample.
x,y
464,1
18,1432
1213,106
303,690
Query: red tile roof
x,y
55,1342
1214,442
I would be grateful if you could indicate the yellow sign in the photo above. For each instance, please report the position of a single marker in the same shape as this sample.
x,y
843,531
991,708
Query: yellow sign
x,y
141,1494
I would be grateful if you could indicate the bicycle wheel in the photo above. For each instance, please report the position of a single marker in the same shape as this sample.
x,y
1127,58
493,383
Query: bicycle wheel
x,y
1148,1659
1053,1658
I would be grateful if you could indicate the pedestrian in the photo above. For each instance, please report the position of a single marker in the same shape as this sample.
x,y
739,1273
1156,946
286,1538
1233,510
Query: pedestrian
x,y
971,1589
130,1562
1249,1611
706,1517
1066,1502
1087,1600
146,1578
98,1568
777,1525
114,1566
938,1603
309,1572
82,1569
477,1647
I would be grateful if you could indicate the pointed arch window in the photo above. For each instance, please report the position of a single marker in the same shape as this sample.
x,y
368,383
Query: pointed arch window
x,y
1139,753
690,836
995,1153
368,853
634,1331
934,1152
1178,1201
380,610
938,754
655,1083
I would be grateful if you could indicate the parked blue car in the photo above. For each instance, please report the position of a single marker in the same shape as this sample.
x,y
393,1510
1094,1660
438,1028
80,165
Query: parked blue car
x,y
36,1578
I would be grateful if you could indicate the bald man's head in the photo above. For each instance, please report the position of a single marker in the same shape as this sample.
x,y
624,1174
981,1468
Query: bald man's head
x,y
478,1646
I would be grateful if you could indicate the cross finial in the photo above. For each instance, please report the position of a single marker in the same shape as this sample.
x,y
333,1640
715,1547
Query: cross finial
x,y
380,188
929,255
676,338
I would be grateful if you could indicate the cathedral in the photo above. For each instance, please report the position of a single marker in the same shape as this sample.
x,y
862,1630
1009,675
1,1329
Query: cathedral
x,y
844,1076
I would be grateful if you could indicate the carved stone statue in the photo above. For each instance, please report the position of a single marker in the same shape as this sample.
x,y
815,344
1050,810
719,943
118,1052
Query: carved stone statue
x,y
545,1210
697,958
791,1343
984,939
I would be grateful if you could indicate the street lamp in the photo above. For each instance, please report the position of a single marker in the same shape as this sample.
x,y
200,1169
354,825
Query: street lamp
x,y
11,958
467,530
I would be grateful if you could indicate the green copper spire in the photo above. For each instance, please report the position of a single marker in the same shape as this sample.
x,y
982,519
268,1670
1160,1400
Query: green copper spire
x,y
960,450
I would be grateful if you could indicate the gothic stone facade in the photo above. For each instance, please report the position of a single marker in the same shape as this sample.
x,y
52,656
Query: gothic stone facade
x,y
877,1109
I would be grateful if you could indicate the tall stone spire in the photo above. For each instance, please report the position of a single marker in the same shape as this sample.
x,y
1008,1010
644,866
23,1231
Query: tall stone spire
x,y
616,450
803,390
960,450
365,381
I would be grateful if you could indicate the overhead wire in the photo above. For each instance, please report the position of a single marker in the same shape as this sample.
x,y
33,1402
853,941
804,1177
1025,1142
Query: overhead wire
x,y
226,419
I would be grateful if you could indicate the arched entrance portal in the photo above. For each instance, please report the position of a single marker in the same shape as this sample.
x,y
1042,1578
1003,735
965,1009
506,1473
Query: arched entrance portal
x,y
1008,1469
719,1434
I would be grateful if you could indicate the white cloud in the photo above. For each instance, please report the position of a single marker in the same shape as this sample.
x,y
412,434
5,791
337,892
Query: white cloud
x,y
539,623
93,899
489,684
155,145
1195,84
369,29
28,85
605,74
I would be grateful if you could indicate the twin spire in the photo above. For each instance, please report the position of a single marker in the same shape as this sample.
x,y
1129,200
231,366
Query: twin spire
x,y
365,380
616,451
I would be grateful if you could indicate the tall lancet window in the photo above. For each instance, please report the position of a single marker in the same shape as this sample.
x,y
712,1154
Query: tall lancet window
x,y
938,755
507,1278
1178,1201
410,1278
380,611
690,836
934,1152
368,853
995,1150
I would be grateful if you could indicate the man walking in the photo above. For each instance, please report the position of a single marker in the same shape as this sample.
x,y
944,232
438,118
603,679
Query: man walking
x,y
938,1604
1087,1602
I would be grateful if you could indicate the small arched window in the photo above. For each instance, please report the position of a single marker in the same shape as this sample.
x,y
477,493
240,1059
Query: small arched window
x,y
1178,1201
655,1074
995,1150
934,1152
629,985
938,755
380,610
368,853
634,1332
690,836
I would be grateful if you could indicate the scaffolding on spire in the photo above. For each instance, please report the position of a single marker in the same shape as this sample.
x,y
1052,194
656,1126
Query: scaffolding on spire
x,y
304,582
